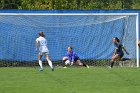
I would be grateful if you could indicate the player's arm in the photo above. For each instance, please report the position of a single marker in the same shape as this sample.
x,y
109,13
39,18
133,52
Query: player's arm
x,y
125,50
72,60
68,56
73,57
37,44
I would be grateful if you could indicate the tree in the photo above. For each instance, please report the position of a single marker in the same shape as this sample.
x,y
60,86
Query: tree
x,y
127,4
33,4
69,4
10,4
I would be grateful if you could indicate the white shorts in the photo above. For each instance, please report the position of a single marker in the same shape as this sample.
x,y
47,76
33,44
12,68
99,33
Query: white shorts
x,y
43,50
43,53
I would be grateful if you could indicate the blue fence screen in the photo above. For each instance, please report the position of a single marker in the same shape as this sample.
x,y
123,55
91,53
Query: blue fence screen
x,y
90,36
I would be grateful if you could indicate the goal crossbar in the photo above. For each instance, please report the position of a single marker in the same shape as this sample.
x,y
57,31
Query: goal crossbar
x,y
69,14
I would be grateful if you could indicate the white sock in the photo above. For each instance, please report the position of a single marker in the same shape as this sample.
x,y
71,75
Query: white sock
x,y
40,63
50,63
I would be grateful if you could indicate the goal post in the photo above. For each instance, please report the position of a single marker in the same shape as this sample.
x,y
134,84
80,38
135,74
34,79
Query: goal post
x,y
89,33
137,38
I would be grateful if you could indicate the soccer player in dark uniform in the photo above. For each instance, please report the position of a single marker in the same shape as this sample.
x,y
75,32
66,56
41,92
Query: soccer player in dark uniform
x,y
139,43
71,58
118,54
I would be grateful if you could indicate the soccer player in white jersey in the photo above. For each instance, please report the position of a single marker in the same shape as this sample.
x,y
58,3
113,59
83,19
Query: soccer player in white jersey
x,y
41,45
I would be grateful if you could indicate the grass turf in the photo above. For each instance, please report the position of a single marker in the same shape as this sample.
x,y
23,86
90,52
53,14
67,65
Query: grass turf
x,y
70,80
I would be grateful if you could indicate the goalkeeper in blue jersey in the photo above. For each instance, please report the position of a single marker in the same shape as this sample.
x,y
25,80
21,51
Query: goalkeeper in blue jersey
x,y
41,45
71,58
118,54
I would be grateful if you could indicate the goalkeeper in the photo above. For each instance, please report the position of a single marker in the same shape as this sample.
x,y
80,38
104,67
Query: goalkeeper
x,y
118,51
71,58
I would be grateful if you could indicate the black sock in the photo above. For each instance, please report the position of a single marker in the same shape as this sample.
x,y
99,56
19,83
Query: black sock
x,y
112,63
84,65
124,59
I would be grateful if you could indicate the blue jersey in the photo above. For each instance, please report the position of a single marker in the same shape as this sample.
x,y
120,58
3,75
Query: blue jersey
x,y
72,56
118,48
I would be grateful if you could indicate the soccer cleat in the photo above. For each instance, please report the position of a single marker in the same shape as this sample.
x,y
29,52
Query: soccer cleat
x,y
41,69
64,67
52,69
87,66
109,67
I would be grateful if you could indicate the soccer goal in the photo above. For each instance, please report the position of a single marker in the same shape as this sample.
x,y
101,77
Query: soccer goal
x,y
90,35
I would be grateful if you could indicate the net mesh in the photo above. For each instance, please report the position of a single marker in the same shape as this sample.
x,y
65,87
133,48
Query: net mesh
x,y
89,35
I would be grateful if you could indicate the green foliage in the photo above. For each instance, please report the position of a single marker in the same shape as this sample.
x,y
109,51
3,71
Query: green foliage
x,y
128,4
36,4
69,4
136,4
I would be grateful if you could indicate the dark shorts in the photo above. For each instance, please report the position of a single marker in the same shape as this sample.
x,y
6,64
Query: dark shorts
x,y
120,55
76,59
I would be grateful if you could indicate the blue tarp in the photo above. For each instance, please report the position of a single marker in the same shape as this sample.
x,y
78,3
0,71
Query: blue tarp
x,y
90,39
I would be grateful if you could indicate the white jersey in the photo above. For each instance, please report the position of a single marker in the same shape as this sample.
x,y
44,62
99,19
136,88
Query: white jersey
x,y
42,44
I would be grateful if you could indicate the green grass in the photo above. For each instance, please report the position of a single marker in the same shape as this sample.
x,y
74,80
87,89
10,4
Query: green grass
x,y
70,80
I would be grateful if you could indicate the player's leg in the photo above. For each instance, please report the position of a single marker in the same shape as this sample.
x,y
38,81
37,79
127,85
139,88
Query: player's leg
x,y
49,62
78,62
40,62
64,59
113,59
120,58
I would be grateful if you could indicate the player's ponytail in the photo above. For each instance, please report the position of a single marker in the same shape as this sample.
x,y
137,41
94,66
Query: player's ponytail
x,y
41,34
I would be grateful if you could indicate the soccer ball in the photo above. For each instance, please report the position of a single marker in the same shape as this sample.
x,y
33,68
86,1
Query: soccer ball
x,y
67,62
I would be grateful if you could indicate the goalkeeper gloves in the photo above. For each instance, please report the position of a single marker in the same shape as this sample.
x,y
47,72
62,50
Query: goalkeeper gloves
x,y
71,63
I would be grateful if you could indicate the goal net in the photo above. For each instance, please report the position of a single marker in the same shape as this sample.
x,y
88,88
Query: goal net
x,y
89,34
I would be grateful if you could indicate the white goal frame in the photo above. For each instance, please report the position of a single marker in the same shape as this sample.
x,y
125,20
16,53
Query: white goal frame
x,y
87,14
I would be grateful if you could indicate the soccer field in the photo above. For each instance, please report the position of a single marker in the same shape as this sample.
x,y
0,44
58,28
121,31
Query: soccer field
x,y
70,80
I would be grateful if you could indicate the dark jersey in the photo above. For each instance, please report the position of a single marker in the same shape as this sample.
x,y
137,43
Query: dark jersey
x,y
118,48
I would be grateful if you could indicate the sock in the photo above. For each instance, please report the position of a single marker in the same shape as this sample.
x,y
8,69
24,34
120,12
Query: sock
x,y
40,63
120,64
50,64
124,59
112,63
84,65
